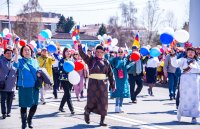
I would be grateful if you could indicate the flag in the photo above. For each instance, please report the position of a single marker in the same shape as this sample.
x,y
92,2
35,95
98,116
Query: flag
x,y
136,41
126,48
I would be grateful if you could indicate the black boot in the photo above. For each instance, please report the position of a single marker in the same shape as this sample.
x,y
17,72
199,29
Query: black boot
x,y
102,121
23,118
87,117
30,116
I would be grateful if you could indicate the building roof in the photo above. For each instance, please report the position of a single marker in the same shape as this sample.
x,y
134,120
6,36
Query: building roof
x,y
68,36
43,19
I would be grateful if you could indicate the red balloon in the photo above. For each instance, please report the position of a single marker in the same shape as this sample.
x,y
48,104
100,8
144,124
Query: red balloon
x,y
135,56
78,65
22,42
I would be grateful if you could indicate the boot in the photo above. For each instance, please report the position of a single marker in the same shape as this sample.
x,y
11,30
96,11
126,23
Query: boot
x,y
29,120
23,118
102,121
87,117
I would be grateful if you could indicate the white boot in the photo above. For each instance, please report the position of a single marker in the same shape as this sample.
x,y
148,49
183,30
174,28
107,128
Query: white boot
x,y
117,109
121,110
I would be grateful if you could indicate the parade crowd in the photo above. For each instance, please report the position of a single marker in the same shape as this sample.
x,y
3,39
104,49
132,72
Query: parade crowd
x,y
105,71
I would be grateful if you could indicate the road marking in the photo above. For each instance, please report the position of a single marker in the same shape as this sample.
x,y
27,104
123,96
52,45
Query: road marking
x,y
120,119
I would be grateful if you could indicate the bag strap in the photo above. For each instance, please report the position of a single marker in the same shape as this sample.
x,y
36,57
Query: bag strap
x,y
44,63
8,73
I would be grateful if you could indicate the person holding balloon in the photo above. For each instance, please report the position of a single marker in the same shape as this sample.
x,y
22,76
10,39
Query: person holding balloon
x,y
189,84
79,67
45,61
97,94
121,78
134,67
64,67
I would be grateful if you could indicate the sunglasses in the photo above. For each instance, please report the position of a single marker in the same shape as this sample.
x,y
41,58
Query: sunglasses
x,y
120,51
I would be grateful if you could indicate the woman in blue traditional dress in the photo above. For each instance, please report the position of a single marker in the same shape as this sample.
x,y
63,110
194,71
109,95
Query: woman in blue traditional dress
x,y
121,78
27,75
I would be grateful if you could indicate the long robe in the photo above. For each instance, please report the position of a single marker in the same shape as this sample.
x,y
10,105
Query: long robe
x,y
97,92
189,89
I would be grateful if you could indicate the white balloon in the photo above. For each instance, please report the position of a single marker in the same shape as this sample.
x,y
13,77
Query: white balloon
x,y
5,31
115,48
74,38
114,42
33,43
168,30
74,77
105,36
99,37
181,36
49,32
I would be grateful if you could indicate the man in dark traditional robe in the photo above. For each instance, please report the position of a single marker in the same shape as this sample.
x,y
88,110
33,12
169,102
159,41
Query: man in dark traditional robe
x,y
97,94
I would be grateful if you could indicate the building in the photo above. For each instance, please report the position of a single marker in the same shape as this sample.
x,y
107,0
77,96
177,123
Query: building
x,y
90,29
65,38
48,21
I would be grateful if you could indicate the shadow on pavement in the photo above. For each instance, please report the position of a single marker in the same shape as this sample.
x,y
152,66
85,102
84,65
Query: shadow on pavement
x,y
120,127
54,114
176,123
82,126
172,112
157,100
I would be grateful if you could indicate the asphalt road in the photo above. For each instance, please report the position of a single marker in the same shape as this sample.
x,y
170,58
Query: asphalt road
x,y
157,112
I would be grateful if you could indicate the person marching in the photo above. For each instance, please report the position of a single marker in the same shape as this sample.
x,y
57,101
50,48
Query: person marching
x,y
8,77
97,92
28,94
65,84
189,105
121,78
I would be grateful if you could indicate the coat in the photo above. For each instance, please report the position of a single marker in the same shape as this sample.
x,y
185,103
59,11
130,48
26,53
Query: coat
x,y
122,84
5,66
189,88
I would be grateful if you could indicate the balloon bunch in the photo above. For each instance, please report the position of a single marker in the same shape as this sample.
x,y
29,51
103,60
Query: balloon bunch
x,y
168,36
107,40
75,33
72,68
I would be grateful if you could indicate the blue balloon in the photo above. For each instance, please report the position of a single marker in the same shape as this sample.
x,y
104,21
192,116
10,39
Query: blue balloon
x,y
78,27
166,38
44,34
144,51
155,52
68,66
51,48
77,37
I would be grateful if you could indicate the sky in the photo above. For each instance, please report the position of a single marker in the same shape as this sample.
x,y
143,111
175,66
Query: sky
x,y
98,11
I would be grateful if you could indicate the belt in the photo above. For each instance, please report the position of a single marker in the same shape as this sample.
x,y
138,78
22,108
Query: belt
x,y
98,76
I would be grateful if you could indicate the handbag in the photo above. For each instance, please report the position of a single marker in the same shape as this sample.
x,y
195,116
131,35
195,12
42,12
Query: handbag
x,y
120,73
3,83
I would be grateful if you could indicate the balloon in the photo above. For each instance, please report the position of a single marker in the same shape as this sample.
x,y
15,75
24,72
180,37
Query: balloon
x,y
41,38
49,33
105,36
33,43
32,47
78,27
74,78
78,65
45,34
99,37
17,39
181,36
155,52
68,66
68,46
114,42
168,30
135,56
77,37
9,35
166,38
5,31
51,48
74,38
22,42
144,51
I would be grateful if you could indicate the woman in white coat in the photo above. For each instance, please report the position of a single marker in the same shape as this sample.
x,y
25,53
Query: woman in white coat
x,y
189,85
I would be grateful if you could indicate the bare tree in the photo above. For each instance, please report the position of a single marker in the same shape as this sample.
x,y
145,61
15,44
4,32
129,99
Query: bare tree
x,y
151,19
170,20
29,20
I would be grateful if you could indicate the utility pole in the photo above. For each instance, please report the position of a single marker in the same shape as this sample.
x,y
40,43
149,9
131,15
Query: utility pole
x,y
9,25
